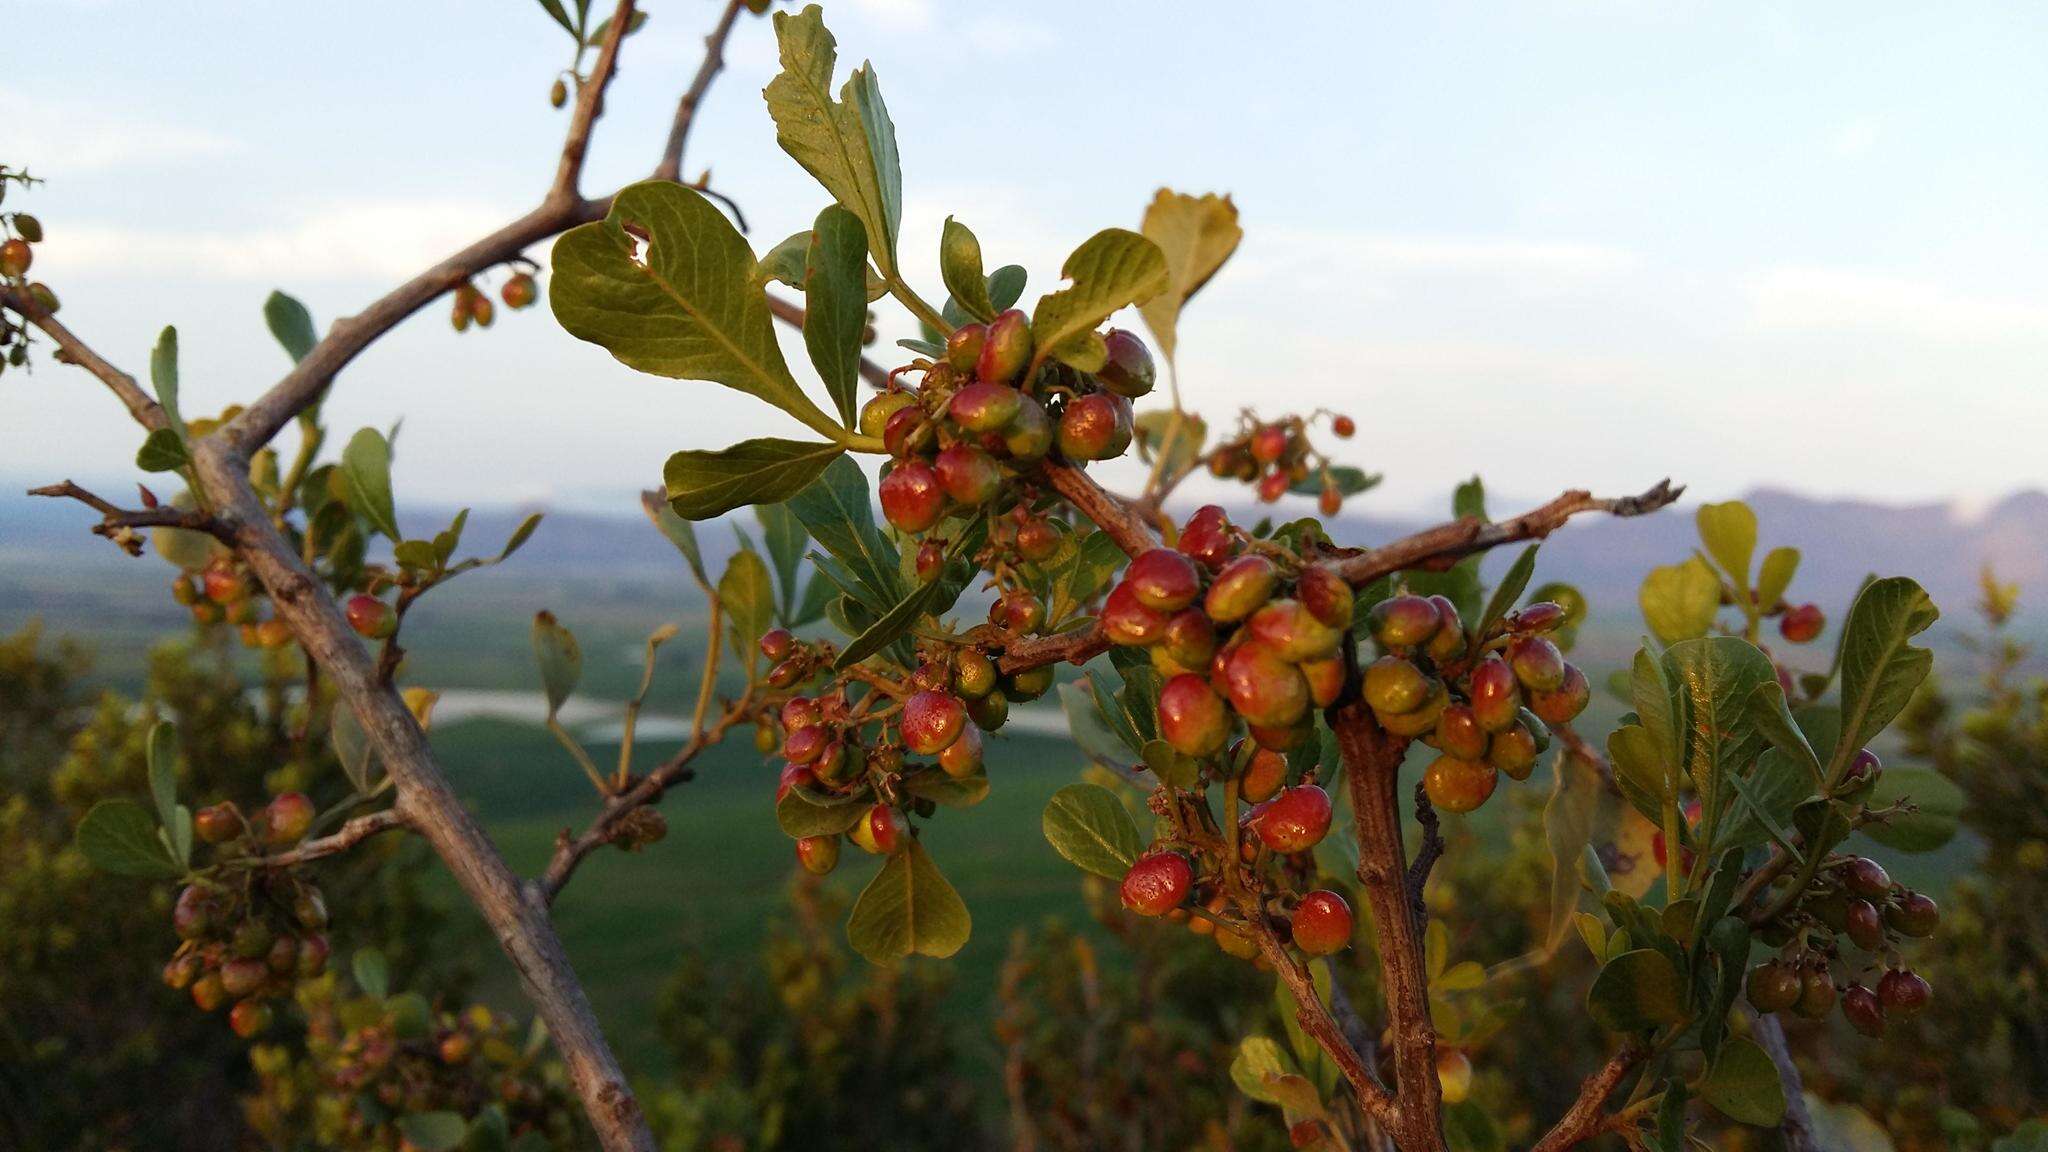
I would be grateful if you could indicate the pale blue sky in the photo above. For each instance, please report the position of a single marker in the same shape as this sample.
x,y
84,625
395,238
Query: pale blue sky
x,y
1580,242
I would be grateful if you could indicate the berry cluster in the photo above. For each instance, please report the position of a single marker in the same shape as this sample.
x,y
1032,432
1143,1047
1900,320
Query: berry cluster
x,y
1277,458
18,231
1853,899
1485,702
224,593
841,749
975,420
251,940
473,306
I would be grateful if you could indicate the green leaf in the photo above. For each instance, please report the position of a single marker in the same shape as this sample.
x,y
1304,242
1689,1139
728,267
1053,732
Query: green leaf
x,y
688,308
1713,678
366,478
417,555
1655,706
1509,589
1744,1085
1348,481
803,813
433,1131
554,9
678,531
908,909
351,748
749,602
1773,718
1262,1071
1573,601
162,451
520,536
1637,990
163,376
119,836
1729,532
849,144
1765,800
559,657
163,769
951,791
836,511
892,626
1176,769
372,973
836,305
1880,666
1775,576
785,538
604,26
1639,769
1679,600
1088,826
1567,829
960,268
1111,269
1195,235
1005,286
291,323
704,484
1940,805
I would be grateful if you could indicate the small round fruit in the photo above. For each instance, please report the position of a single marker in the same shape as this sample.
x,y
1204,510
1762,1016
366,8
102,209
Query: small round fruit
x,y
243,975
1273,486
818,854
1242,587
1802,623
314,950
249,1019
907,433
1006,350
1420,722
805,745
456,1049
1513,752
1394,685
1294,821
1403,621
15,257
194,913
1264,688
968,474
287,818
519,292
962,758
990,712
1268,443
1915,914
1458,734
1029,434
1163,580
1454,1075
1192,717
1017,610
1861,1009
963,346
1326,595
1496,697
931,721
1037,539
794,776
984,407
911,497
1542,616
1537,663
1127,621
974,674
1290,629
1817,993
273,634
371,618
1563,703
874,415
1773,986
1864,925
882,832
1157,883
1344,426
1030,684
1128,372
1189,638
1864,877
1903,992
1095,427
1323,923
217,823
1263,775
1325,680
776,643
1206,537
1456,785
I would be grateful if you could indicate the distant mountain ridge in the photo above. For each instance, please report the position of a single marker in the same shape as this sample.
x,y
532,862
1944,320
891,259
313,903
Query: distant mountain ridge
x,y
1841,540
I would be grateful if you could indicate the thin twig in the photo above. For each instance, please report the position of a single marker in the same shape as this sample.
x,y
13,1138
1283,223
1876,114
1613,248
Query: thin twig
x,y
335,843
590,105
1426,856
119,524
1585,1117
1444,545
671,165
146,411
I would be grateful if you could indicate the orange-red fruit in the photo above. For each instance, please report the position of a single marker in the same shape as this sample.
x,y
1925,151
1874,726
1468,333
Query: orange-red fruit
x,y
1323,923
288,817
1344,427
1495,696
882,832
1395,686
1017,610
1294,821
1189,638
1263,775
1192,718
932,721
518,292
217,823
1537,663
1264,688
1269,443
208,992
1291,630
1802,623
905,433
1037,539
1330,502
1326,595
1206,537
1403,621
1127,621
911,497
1164,580
1006,351
818,854
794,776
249,1019
1325,680
984,407
1095,427
964,344
1241,588
1566,701
962,757
15,257
371,618
1456,785
1273,486
1458,733
243,975
804,745
1157,884
968,474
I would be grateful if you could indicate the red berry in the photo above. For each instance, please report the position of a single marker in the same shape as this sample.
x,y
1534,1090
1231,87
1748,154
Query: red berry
x,y
800,712
194,913
1263,775
1537,663
963,346
932,721
1323,923
1865,877
1456,785
968,474
911,497
225,585
1006,351
1294,821
1458,733
1773,986
1915,915
1864,925
1326,595
905,433
1269,443
1273,486
1095,427
1017,611
1189,638
882,832
1569,699
371,618
962,758
1802,623
1164,580
1206,537
1037,539
1192,718
984,407
1495,696
519,292
249,1019
805,745
1127,621
15,257
794,776
1325,680
1157,884
1128,372
217,823
1292,631
243,975
1241,588
776,643
1403,621
1903,992
288,818
1344,427
208,993
1861,1009
1264,688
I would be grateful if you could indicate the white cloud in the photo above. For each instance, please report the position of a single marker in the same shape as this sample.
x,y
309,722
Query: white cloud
x,y
372,238
1809,298
68,137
